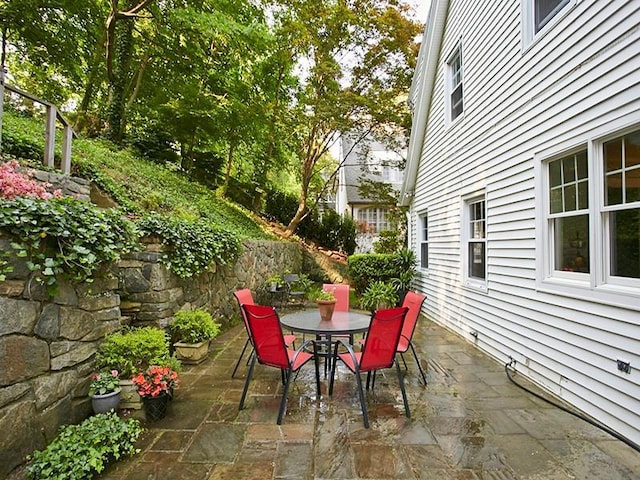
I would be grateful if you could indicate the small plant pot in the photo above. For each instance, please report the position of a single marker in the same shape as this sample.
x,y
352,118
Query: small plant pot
x,y
326,308
192,353
130,397
155,408
107,402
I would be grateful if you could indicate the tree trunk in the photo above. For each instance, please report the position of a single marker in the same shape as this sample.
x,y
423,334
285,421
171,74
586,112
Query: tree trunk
x,y
227,176
116,114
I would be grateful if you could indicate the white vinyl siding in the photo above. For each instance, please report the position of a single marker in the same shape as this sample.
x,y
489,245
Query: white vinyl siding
x,y
577,87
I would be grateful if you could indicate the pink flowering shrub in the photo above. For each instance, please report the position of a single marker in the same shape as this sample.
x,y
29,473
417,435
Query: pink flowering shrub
x,y
14,183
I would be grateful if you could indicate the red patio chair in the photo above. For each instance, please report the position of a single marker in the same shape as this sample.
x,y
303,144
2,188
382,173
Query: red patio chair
x,y
244,297
269,349
341,292
413,301
378,352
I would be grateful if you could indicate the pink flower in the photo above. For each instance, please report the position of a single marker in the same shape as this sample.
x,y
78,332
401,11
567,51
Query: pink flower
x,y
14,183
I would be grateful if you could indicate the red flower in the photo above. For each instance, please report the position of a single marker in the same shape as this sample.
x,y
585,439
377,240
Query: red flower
x,y
156,380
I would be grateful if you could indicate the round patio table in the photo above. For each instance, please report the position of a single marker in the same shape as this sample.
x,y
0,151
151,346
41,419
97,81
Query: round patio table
x,y
341,323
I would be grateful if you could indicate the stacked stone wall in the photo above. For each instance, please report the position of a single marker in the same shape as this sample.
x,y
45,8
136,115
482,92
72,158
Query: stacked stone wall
x,y
151,294
47,348
48,344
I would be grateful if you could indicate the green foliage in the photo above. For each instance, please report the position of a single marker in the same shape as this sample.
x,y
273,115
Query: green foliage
x,y
193,326
81,451
133,350
316,293
280,206
367,268
389,242
336,232
65,237
379,295
194,245
142,185
104,382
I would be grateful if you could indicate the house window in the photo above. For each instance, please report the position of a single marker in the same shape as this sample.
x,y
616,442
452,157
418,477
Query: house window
x,y
569,212
475,237
455,92
374,219
545,10
424,241
538,14
621,159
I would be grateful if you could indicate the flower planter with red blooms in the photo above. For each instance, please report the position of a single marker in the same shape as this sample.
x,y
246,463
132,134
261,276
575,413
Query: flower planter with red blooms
x,y
155,385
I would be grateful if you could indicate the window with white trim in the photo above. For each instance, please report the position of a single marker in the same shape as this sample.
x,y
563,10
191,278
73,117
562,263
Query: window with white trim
x,y
592,221
455,96
538,14
621,162
374,219
424,241
568,218
475,238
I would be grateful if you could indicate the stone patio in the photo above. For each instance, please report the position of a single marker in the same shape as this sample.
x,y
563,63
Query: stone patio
x,y
469,423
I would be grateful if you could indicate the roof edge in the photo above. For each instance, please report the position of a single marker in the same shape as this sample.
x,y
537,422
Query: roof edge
x,y
429,54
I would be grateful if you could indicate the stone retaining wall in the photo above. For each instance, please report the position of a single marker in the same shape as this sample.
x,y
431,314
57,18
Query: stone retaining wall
x,y
48,345
152,295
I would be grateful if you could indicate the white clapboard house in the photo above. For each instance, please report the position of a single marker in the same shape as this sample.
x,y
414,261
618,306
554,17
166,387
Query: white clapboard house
x,y
523,182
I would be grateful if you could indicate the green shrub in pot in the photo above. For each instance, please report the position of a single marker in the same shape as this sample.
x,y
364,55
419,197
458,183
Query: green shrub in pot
x,y
133,350
379,295
193,326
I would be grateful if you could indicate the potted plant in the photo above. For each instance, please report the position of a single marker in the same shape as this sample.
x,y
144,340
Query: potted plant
x,y
105,391
275,282
191,333
379,295
155,386
326,301
131,351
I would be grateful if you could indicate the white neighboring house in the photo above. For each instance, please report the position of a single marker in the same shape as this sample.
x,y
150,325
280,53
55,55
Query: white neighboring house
x,y
369,160
523,181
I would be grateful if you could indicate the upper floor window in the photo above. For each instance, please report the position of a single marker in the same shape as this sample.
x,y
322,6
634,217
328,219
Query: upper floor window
x,y
537,14
455,84
545,10
424,241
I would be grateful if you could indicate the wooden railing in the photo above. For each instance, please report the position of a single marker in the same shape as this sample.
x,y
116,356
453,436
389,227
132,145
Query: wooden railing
x,y
52,114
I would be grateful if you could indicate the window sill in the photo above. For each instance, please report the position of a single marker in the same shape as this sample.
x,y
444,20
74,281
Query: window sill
x,y
610,295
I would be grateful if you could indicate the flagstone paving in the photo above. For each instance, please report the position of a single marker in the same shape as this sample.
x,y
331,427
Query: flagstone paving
x,y
469,423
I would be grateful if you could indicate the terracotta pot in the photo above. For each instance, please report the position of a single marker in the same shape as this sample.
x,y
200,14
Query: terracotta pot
x,y
326,308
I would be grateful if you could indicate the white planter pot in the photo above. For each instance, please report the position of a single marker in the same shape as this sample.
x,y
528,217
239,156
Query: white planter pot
x,y
192,353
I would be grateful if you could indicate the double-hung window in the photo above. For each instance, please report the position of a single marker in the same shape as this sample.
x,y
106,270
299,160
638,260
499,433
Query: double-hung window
x,y
424,241
621,163
475,237
455,84
569,212
592,221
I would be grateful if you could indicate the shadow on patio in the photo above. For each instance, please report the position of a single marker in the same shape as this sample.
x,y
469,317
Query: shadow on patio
x,y
470,422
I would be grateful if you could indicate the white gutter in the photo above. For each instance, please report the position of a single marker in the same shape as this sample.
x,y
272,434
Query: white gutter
x,y
423,86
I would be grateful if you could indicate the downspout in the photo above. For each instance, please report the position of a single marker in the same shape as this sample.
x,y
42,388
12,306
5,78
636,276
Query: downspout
x,y
429,53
